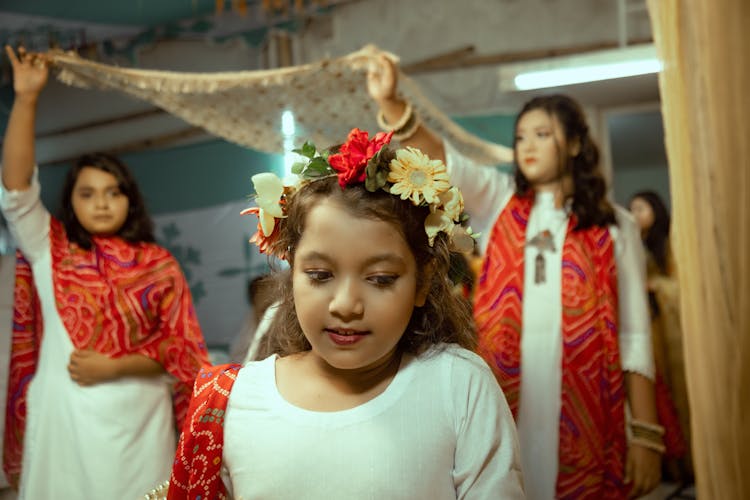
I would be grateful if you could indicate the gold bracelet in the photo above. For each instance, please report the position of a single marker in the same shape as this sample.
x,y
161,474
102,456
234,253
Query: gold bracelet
x,y
409,131
645,433
401,123
651,445
647,426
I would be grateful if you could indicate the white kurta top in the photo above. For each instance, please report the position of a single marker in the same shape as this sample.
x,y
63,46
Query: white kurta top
x,y
486,192
111,440
441,430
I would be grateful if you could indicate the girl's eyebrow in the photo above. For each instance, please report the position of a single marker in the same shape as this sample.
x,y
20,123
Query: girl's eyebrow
x,y
375,259
535,127
89,187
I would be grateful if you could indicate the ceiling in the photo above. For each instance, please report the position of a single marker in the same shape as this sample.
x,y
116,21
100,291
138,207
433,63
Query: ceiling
x,y
79,22
129,13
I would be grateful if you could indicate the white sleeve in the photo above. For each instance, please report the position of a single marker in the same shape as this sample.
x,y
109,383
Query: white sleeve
x,y
485,189
636,350
487,462
27,218
260,331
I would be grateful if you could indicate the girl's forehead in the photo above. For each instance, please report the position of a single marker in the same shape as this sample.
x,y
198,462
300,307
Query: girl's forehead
x,y
95,176
537,117
330,226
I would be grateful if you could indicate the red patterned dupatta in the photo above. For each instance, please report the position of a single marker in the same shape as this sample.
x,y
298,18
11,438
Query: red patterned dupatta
x,y
196,472
117,298
592,428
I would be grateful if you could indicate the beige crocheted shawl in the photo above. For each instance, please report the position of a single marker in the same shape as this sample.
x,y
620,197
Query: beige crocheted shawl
x,y
327,98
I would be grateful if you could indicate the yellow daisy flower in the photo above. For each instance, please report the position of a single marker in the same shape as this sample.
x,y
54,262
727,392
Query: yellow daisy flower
x,y
414,175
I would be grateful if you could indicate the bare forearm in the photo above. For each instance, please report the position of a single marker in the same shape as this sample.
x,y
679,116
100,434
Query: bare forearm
x,y
423,139
18,145
641,397
137,365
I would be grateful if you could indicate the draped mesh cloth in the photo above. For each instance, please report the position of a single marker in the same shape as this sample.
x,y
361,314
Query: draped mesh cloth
x,y
328,98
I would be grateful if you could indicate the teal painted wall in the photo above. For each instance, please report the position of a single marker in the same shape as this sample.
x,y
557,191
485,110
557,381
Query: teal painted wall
x,y
182,178
495,128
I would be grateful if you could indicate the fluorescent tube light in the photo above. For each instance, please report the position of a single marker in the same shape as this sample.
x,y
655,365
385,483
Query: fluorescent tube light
x,y
597,66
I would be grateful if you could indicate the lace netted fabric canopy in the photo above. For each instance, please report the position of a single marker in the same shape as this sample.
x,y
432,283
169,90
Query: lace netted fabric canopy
x,y
327,98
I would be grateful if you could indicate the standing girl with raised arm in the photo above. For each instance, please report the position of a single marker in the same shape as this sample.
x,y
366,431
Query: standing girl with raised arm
x,y
106,344
372,390
560,303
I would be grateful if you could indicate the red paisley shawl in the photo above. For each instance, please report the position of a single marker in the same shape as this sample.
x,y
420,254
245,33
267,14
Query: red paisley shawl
x,y
592,428
196,472
117,298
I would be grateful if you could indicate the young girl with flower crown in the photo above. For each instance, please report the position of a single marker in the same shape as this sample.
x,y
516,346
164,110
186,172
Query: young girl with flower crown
x,y
372,390
106,343
560,302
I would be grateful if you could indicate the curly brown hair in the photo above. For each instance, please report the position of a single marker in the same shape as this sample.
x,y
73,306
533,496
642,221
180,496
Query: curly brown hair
x,y
444,318
589,199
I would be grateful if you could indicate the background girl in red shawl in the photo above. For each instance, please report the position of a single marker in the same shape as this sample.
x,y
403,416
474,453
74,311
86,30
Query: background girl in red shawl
x,y
560,302
105,343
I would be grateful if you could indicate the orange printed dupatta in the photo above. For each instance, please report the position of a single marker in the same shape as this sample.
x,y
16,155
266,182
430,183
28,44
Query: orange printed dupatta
x,y
592,427
196,472
117,298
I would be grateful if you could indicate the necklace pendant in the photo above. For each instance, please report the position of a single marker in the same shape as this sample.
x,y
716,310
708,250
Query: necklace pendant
x,y
539,269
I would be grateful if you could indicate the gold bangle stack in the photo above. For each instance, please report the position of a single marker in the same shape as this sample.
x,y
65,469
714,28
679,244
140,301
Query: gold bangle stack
x,y
406,126
647,435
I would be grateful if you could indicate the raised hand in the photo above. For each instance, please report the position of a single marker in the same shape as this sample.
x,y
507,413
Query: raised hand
x,y
382,79
30,71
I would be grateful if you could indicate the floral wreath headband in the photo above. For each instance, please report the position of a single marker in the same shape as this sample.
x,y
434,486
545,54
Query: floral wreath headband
x,y
407,173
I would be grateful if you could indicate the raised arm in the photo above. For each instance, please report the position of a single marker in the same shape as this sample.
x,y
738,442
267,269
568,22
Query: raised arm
x,y
382,83
30,74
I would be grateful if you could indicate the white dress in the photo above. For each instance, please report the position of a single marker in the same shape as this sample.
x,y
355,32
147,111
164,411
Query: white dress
x,y
441,430
486,192
113,440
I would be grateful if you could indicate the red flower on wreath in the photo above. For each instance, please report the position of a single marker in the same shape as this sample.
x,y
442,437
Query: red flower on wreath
x,y
351,160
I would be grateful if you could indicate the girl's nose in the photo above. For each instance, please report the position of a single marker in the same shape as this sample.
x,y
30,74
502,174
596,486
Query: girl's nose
x,y
101,201
346,302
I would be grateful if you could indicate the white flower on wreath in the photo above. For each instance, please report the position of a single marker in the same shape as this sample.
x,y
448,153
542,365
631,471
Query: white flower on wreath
x,y
452,203
436,222
269,189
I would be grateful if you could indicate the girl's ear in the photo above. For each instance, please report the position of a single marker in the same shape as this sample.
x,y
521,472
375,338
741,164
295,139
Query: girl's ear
x,y
424,289
574,148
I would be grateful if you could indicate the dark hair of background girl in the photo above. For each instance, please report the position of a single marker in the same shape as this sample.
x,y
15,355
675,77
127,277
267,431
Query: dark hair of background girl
x,y
137,227
589,201
656,238
444,317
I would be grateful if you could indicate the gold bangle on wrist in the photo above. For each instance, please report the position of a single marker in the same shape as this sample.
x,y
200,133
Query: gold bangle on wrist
x,y
400,124
647,426
408,130
647,443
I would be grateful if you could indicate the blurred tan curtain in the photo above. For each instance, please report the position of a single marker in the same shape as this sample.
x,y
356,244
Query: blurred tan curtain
x,y
705,93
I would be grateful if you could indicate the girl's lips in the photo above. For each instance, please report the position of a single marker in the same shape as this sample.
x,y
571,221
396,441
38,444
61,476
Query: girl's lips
x,y
345,336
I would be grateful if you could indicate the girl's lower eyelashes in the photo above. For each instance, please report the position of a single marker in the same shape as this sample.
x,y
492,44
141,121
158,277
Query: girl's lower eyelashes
x,y
383,281
318,276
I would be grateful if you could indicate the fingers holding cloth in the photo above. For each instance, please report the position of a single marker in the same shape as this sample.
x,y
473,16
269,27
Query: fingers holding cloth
x,y
30,71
